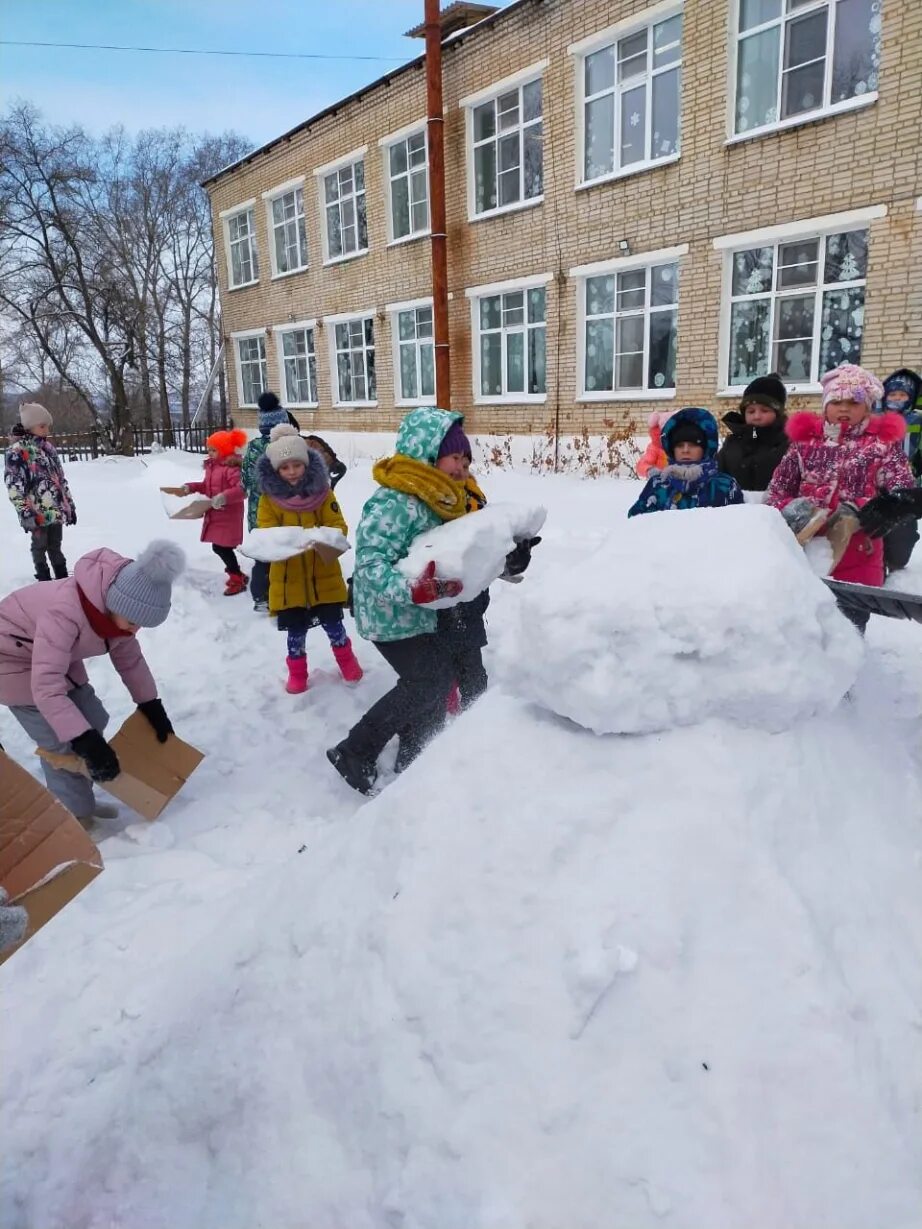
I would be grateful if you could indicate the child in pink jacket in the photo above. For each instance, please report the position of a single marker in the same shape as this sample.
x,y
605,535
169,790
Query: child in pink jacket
x,y
48,630
840,461
223,523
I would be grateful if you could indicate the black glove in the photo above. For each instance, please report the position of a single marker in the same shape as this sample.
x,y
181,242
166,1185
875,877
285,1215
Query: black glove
x,y
519,558
97,754
885,511
154,712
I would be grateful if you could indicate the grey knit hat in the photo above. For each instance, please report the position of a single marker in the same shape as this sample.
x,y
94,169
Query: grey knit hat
x,y
141,591
31,414
287,444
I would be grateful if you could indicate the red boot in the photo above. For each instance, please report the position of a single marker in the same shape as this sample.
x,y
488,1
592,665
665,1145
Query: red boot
x,y
453,704
297,675
236,583
348,664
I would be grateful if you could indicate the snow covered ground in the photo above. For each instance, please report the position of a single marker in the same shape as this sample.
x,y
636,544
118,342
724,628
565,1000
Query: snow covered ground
x,y
547,980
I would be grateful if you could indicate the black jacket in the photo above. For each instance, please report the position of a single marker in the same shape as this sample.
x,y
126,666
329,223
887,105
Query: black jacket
x,y
752,454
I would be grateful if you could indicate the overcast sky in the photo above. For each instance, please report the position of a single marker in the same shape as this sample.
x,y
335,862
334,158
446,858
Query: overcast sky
x,y
259,98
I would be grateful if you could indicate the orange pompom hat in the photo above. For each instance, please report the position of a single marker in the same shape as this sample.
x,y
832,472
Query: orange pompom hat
x,y
225,443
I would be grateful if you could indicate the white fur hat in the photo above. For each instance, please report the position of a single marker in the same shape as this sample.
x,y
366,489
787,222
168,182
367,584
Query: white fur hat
x,y
31,414
286,444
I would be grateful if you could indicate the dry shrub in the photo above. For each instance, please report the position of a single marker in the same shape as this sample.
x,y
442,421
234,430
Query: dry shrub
x,y
611,455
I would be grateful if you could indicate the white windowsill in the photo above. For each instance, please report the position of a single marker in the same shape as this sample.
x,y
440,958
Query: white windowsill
x,y
503,209
639,394
808,117
794,390
277,277
513,399
637,169
412,402
341,260
303,405
355,405
243,285
419,234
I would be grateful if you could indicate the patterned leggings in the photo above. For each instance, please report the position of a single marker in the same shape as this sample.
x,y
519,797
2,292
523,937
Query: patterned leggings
x,y
336,632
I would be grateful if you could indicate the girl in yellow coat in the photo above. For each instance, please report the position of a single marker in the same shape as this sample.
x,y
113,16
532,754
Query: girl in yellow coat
x,y
306,589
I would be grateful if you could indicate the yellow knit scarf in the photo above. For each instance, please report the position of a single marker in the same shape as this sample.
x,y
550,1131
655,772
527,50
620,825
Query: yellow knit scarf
x,y
446,498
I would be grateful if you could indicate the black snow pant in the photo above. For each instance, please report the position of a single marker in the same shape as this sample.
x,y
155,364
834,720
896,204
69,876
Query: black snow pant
x,y
228,558
47,542
415,708
463,629
259,582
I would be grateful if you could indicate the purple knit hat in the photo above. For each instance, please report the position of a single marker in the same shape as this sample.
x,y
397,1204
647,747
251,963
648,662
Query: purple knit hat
x,y
455,441
849,382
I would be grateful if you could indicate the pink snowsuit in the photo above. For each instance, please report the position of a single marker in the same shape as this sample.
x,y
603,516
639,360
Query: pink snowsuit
x,y
222,526
829,464
45,637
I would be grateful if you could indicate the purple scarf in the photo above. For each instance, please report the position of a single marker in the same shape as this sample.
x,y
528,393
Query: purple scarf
x,y
307,494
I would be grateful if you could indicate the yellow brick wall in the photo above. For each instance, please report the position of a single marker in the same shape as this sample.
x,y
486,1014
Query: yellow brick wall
x,y
870,156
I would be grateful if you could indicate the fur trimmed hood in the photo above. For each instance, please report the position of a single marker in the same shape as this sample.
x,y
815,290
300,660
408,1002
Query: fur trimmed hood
x,y
805,426
313,484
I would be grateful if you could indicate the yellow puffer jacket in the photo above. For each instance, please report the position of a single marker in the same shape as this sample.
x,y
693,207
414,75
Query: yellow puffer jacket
x,y
305,580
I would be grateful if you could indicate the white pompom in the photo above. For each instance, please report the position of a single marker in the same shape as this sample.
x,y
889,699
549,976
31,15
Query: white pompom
x,y
281,429
162,560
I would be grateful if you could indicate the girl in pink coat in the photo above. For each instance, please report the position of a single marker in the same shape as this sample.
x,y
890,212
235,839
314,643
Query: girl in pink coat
x,y
840,461
223,524
49,629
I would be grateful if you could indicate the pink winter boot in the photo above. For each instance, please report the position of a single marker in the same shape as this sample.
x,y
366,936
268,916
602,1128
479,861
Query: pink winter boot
x,y
348,664
453,705
297,675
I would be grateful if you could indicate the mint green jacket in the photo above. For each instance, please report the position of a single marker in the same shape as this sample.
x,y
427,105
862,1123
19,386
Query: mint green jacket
x,y
390,522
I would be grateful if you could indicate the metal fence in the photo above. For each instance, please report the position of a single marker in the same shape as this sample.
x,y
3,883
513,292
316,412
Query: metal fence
x,y
87,445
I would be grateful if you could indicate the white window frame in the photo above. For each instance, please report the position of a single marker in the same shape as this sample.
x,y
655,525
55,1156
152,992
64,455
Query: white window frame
x,y
227,216
825,111
604,268
297,326
285,189
243,335
475,294
610,37
729,245
386,144
393,310
534,72
320,174
329,323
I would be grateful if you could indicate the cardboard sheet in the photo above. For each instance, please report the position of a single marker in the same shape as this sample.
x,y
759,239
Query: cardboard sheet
x,y
46,857
152,773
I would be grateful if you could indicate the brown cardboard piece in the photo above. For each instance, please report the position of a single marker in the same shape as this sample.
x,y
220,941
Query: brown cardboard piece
x,y
329,553
46,858
152,773
192,512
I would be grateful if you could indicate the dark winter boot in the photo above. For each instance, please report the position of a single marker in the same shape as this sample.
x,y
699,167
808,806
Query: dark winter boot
x,y
356,772
60,571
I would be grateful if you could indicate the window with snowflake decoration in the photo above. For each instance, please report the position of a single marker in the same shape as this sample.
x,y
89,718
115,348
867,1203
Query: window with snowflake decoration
x,y
511,344
797,307
630,335
631,100
802,58
507,154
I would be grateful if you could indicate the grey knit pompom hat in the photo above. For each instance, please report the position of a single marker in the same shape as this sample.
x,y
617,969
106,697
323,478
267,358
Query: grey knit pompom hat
x,y
142,590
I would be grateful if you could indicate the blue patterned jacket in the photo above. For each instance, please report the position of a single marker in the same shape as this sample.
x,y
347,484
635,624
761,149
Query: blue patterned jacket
x,y
699,485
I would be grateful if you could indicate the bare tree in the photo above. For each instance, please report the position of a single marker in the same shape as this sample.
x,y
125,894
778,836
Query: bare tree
x,y
107,276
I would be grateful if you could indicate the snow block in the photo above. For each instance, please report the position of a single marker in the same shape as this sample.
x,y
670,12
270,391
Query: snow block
x,y
286,541
681,617
472,549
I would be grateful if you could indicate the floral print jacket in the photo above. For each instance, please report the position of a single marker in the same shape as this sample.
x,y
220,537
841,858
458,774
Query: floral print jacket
x,y
36,484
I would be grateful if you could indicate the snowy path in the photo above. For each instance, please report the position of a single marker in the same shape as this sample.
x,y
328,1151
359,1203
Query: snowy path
x,y
546,981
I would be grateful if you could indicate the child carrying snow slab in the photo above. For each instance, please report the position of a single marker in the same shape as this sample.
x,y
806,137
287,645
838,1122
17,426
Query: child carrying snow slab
x,y
417,492
306,589
270,414
691,478
47,631
223,523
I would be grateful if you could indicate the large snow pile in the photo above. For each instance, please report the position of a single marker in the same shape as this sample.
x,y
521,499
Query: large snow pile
x,y
678,618
547,980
